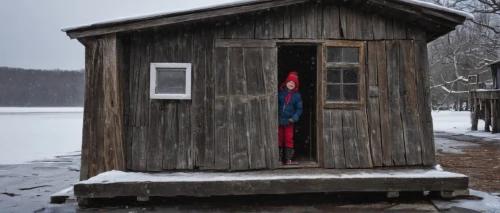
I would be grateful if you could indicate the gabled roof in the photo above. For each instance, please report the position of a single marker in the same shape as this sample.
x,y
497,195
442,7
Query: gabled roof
x,y
435,19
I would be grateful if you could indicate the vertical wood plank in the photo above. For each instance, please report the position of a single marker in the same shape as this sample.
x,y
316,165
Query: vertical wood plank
x,y
139,148
379,30
389,29
222,106
383,92
241,26
374,104
125,78
399,30
333,139
312,11
171,139
328,156
155,133
396,132
187,150
238,108
255,89
364,155
140,101
298,21
409,113
198,95
270,23
331,21
345,29
422,70
156,137
287,22
91,119
350,139
270,110
210,99
183,155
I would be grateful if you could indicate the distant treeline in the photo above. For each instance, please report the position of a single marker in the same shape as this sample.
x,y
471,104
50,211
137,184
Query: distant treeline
x,y
46,88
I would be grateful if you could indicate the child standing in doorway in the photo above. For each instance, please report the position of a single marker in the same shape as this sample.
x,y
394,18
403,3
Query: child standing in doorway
x,y
289,111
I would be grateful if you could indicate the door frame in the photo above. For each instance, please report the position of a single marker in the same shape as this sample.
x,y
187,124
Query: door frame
x,y
319,93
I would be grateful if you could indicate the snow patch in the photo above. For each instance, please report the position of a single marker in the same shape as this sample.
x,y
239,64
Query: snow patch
x,y
458,122
120,177
439,7
8,110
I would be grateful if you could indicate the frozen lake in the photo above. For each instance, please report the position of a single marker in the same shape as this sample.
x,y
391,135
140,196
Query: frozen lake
x,y
28,134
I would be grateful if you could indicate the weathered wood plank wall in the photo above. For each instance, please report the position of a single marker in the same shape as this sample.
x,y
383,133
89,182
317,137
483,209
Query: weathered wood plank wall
x,y
229,124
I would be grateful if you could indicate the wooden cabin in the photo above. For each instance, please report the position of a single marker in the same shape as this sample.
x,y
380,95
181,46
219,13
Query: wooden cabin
x,y
196,91
486,102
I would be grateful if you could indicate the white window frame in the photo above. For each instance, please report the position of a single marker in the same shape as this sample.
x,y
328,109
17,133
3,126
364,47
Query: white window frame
x,y
153,82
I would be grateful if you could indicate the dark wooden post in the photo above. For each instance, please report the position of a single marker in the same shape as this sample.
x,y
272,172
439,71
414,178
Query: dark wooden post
x,y
487,115
475,114
494,116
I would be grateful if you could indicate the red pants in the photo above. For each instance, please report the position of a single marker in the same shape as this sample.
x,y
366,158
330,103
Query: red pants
x,y
285,134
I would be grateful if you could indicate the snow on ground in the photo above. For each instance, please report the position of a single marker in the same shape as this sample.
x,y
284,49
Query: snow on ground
x,y
28,134
14,110
459,123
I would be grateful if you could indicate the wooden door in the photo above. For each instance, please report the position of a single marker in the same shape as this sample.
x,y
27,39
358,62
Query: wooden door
x,y
246,125
345,141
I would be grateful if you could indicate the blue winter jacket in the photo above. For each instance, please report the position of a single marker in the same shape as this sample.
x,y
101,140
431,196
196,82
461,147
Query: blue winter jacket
x,y
292,110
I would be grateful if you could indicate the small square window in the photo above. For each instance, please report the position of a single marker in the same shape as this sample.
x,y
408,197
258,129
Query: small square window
x,y
170,81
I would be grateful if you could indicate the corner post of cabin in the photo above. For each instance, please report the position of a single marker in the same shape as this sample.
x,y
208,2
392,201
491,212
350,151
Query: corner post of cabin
x,y
113,143
494,116
487,115
475,115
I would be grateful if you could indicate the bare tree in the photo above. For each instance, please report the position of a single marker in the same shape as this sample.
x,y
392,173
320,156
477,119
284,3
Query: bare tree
x,y
466,51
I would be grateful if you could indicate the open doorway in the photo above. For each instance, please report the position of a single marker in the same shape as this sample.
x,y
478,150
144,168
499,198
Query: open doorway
x,y
302,58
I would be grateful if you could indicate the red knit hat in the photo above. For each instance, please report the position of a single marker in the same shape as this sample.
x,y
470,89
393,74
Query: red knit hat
x,y
292,76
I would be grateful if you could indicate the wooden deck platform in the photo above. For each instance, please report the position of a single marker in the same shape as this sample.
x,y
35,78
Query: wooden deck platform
x,y
285,181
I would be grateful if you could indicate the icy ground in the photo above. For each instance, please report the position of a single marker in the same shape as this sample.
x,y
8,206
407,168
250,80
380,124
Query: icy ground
x,y
28,134
459,123
40,133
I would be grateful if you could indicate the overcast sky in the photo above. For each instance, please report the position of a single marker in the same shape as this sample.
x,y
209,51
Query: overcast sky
x,y
30,35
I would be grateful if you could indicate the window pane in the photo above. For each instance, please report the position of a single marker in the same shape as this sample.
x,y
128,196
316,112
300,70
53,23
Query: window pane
x,y
333,75
351,55
350,92
351,76
171,81
334,54
333,93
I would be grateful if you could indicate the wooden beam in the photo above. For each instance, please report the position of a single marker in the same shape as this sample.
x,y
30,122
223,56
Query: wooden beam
x,y
475,115
329,180
494,116
154,22
487,115
245,43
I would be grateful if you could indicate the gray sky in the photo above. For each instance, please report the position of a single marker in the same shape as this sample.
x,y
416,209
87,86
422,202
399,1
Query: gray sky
x,y
30,35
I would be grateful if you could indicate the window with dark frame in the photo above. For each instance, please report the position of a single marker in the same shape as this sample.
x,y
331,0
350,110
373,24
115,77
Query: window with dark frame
x,y
342,75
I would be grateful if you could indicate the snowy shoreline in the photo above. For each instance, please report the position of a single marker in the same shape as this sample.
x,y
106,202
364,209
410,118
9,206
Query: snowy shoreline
x,y
14,110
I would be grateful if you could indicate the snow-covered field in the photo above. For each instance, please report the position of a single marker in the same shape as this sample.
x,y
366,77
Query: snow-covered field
x,y
459,123
28,134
